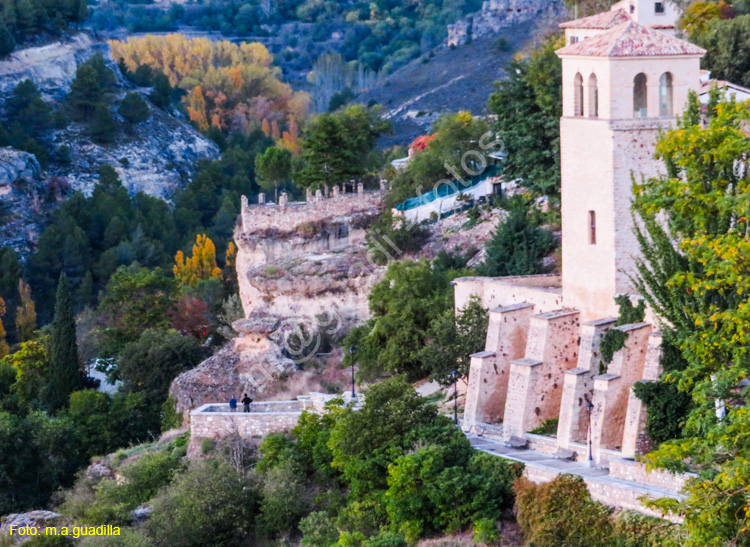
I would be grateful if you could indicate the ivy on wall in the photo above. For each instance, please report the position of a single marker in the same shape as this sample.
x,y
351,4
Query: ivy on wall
x,y
667,406
614,340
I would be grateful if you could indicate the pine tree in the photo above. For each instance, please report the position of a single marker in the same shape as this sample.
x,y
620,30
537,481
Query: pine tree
x,y
85,91
134,109
273,168
162,92
518,246
65,376
25,313
103,125
7,42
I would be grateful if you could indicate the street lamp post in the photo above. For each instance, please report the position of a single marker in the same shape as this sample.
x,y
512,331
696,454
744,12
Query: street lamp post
x,y
455,396
590,457
352,350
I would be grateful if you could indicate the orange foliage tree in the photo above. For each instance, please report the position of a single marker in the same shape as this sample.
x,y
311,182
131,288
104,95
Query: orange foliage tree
x,y
237,83
200,266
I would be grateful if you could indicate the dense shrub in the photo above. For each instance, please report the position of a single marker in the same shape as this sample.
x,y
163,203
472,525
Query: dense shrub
x,y
561,512
209,504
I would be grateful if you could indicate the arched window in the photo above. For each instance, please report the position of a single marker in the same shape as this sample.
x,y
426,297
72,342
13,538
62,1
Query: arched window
x,y
665,94
578,94
593,97
640,102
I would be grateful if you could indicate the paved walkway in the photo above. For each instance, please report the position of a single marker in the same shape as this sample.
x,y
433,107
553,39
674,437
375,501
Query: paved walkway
x,y
543,467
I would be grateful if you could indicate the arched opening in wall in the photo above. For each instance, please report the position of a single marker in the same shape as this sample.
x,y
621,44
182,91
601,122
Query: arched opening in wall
x,y
640,101
665,94
593,97
578,94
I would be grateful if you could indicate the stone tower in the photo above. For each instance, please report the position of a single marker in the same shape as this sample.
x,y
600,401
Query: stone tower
x,y
621,86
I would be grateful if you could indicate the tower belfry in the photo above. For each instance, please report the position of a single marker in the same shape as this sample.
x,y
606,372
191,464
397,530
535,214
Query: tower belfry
x,y
621,85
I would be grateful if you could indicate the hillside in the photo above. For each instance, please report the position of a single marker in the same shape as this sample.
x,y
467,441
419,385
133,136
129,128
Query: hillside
x,y
156,156
460,76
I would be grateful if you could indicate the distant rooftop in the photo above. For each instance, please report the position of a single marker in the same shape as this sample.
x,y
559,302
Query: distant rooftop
x,y
631,40
605,20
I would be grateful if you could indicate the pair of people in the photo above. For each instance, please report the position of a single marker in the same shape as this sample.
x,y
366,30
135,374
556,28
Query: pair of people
x,y
245,403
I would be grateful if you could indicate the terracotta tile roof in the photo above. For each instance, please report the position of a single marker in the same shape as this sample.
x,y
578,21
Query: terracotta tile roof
x,y
605,20
631,40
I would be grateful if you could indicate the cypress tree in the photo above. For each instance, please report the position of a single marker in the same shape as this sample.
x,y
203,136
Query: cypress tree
x,y
65,377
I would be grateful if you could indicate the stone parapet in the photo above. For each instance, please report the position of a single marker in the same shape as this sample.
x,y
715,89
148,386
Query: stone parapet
x,y
630,470
288,216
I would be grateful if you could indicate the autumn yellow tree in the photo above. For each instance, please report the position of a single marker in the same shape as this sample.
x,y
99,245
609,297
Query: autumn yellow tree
x,y
25,313
230,86
200,266
4,349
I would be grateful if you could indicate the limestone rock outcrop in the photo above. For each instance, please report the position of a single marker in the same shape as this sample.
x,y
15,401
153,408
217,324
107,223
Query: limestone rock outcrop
x,y
497,15
306,259
246,364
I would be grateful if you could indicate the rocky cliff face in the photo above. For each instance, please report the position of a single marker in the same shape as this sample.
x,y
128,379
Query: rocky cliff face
x,y
497,15
156,157
51,67
304,279
24,199
246,364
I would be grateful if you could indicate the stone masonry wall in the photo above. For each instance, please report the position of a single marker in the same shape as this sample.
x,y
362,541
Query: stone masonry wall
x,y
216,425
608,493
286,218
543,291
630,470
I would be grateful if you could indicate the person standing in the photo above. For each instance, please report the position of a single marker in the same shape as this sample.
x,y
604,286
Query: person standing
x,y
232,404
246,403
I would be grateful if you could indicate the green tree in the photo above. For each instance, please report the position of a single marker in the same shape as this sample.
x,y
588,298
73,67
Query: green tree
x,y
727,44
335,146
65,367
133,108
445,157
694,275
4,348
149,364
519,244
697,18
528,106
103,127
86,91
7,42
453,338
31,363
38,455
402,307
273,168
210,504
27,107
136,299
161,94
